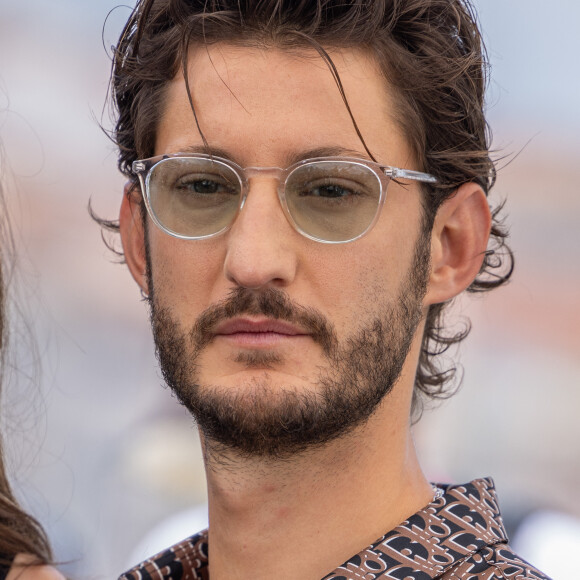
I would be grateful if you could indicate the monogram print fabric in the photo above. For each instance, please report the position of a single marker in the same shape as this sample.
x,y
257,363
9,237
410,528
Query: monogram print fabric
x,y
184,561
459,535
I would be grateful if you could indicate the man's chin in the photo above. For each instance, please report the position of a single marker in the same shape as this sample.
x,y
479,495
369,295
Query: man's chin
x,y
257,416
256,395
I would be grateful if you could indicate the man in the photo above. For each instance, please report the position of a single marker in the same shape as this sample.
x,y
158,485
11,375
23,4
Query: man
x,y
307,191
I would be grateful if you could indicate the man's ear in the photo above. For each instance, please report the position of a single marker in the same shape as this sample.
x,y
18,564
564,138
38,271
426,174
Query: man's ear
x,y
458,242
133,234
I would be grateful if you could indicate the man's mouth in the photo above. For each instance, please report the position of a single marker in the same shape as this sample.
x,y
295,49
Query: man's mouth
x,y
257,332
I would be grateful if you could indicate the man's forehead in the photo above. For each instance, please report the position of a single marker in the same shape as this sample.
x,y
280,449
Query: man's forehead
x,y
229,56
244,78
264,98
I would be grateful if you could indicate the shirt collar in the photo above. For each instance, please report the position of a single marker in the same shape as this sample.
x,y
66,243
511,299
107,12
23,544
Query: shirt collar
x,y
461,522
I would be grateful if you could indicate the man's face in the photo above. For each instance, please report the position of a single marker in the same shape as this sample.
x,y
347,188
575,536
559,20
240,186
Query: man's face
x,y
275,341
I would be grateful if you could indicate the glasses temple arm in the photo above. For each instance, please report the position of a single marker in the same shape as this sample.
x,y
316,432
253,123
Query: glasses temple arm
x,y
396,173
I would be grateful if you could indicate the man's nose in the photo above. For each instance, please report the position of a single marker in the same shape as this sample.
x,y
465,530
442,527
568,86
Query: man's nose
x,y
261,244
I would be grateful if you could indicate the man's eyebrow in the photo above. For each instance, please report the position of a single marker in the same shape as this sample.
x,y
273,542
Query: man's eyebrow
x,y
333,151
216,152
290,159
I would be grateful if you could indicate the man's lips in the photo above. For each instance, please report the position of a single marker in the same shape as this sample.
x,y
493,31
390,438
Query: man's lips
x,y
262,332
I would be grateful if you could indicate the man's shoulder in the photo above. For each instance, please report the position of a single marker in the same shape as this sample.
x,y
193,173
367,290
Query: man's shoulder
x,y
185,560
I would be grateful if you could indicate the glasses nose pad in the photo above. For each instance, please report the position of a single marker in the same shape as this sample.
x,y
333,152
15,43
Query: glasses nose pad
x,y
252,173
282,198
243,195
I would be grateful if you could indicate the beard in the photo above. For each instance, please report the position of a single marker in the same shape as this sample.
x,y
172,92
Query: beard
x,y
261,419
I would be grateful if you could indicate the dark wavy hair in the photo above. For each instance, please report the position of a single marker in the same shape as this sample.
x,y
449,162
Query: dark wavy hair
x,y
20,533
430,52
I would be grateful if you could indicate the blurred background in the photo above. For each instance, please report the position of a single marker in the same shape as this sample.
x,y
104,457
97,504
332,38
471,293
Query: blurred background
x,y
87,421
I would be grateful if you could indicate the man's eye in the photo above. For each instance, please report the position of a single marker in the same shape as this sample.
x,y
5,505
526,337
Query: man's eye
x,y
202,186
331,189
334,191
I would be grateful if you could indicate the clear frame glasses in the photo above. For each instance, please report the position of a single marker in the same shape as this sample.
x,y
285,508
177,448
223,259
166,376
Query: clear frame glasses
x,y
326,199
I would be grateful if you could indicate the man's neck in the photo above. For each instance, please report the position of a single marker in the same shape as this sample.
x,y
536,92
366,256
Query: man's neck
x,y
303,517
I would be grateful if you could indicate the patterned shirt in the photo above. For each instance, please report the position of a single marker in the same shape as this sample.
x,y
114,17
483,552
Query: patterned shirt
x,y
458,536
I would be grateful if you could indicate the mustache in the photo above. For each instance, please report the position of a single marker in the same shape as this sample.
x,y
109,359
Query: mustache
x,y
272,303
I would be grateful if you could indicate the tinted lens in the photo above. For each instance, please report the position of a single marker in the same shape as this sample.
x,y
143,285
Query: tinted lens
x,y
335,201
194,197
